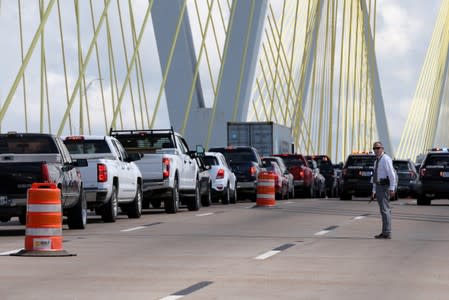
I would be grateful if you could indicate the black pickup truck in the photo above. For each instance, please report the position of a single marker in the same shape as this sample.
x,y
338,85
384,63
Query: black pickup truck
x,y
26,158
246,164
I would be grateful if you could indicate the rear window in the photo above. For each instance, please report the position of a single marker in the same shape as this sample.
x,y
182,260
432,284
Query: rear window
x,y
322,161
87,146
236,154
291,161
27,144
437,160
210,160
361,161
145,142
401,166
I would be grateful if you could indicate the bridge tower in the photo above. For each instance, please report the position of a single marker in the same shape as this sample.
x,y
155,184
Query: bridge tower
x,y
201,124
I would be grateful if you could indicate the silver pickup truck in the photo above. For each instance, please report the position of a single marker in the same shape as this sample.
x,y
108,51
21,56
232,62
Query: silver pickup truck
x,y
170,173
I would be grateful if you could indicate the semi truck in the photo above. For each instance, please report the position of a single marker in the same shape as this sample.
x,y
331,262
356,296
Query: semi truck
x,y
267,137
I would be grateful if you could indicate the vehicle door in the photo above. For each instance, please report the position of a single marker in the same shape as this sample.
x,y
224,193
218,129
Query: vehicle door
x,y
189,166
230,174
70,177
125,172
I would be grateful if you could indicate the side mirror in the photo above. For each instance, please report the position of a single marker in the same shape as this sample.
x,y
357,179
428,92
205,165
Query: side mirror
x,y
200,150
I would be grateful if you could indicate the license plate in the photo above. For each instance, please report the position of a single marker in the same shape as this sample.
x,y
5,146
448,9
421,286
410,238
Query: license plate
x,y
366,173
4,201
444,174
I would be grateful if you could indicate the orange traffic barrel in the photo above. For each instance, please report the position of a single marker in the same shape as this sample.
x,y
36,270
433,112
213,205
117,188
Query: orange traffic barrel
x,y
43,233
266,189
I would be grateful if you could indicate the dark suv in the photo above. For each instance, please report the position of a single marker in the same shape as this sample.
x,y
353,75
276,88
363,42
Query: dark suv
x,y
433,180
246,164
326,167
356,176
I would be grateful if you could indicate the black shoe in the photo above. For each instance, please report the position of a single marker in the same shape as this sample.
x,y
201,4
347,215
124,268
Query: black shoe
x,y
383,236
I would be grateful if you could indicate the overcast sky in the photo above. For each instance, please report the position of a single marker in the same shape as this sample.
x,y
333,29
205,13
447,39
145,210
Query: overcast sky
x,y
404,29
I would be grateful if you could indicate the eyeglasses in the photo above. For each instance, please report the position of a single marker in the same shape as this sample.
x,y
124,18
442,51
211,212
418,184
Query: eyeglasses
x,y
377,148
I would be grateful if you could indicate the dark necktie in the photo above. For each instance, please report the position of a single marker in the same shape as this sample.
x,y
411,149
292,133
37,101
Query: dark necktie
x,y
375,169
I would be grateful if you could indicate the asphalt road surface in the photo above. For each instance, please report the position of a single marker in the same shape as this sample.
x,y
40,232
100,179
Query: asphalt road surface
x,y
299,249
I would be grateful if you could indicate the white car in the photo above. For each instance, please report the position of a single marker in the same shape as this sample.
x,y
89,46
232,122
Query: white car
x,y
223,179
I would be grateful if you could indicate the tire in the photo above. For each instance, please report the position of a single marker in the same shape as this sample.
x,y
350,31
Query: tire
x,y
22,218
110,209
5,219
135,207
309,193
292,193
206,200
156,203
234,197
193,203
171,204
226,196
423,200
77,215
344,196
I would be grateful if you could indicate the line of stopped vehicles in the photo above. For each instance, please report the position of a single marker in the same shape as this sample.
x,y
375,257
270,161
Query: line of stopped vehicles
x,y
130,170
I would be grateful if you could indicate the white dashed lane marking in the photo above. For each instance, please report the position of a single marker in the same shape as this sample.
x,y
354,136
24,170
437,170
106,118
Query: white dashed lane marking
x,y
191,289
205,214
9,252
140,227
326,230
273,252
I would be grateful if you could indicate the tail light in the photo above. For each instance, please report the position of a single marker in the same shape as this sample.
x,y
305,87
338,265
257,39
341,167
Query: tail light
x,y
252,171
165,167
301,174
102,173
220,174
412,175
422,172
44,172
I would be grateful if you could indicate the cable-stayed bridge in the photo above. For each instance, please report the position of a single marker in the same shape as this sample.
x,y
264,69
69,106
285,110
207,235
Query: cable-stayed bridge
x,y
83,67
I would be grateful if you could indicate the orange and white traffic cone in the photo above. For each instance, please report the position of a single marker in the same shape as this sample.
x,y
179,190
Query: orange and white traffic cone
x,y
266,189
43,233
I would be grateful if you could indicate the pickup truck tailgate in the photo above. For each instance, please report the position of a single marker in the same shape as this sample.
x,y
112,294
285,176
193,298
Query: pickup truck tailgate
x,y
151,167
16,178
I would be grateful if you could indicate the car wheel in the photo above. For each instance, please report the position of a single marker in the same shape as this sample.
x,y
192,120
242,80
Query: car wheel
x,y
135,208
344,196
206,200
225,198
77,215
193,203
5,219
110,209
234,196
22,218
171,204
423,200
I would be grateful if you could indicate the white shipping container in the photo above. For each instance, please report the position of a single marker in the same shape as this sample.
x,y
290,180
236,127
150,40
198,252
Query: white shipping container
x,y
267,137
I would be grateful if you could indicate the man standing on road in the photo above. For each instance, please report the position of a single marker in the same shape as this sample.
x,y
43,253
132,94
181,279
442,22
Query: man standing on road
x,y
384,183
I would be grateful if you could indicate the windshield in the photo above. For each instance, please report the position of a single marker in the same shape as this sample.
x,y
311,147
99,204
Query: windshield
x,y
27,144
87,146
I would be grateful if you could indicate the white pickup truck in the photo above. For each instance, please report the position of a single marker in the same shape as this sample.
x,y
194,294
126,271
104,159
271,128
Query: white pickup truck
x,y
111,179
170,173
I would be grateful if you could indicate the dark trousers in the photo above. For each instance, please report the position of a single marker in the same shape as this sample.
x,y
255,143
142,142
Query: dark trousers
x,y
383,199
